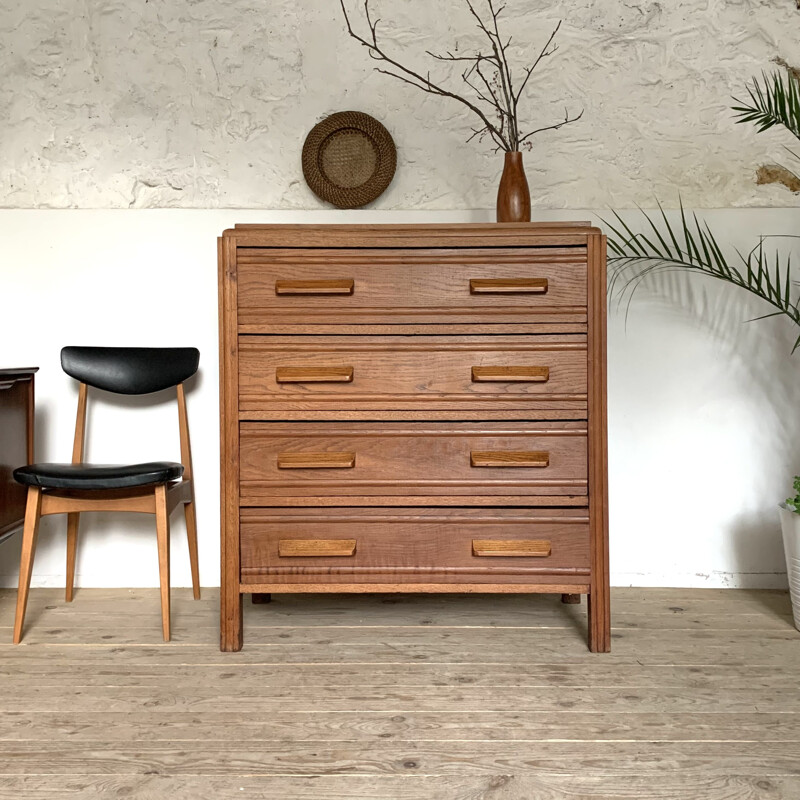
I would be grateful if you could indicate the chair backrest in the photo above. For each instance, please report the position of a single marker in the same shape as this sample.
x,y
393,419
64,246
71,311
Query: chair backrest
x,y
130,370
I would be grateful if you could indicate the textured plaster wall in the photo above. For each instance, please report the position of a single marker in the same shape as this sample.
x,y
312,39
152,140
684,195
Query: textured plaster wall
x,y
205,103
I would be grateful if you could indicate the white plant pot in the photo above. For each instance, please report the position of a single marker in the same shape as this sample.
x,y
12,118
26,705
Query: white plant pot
x,y
790,525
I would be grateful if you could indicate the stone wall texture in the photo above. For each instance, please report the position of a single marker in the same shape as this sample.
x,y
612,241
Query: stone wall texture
x,y
206,103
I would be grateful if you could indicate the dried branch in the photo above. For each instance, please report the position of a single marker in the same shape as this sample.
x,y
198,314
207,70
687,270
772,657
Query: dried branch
x,y
529,70
488,75
502,64
414,78
566,121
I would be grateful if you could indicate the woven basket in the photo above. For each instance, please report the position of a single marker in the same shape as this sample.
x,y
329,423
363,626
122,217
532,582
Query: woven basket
x,y
349,159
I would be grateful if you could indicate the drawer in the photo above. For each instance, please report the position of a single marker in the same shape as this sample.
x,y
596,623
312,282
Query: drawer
x,y
465,460
397,286
421,372
362,545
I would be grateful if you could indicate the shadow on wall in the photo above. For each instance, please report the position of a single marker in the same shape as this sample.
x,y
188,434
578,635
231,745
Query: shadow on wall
x,y
765,377
749,543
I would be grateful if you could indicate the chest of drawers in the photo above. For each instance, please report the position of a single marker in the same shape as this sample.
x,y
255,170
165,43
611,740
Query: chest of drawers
x,y
413,409
16,442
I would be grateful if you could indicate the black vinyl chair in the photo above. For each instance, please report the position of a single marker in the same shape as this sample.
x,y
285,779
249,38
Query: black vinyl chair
x,y
155,487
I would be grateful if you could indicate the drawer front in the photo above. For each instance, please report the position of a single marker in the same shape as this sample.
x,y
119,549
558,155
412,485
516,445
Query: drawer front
x,y
413,545
400,459
394,372
386,286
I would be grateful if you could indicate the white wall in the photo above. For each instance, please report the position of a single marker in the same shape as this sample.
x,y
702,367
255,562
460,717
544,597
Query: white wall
x,y
704,427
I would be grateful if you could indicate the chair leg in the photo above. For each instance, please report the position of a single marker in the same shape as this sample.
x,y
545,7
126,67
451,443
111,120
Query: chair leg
x,y
29,535
73,520
162,534
191,533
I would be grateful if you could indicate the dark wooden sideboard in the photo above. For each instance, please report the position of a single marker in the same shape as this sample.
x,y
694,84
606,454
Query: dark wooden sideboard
x,y
413,409
16,442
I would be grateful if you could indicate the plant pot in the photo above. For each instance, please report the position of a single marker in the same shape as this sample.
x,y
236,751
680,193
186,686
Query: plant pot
x,y
513,196
790,525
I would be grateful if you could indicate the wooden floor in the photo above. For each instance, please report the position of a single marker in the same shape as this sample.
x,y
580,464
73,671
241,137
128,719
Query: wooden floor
x,y
402,698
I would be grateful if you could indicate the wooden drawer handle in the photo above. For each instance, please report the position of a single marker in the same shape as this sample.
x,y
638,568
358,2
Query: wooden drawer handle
x,y
6,385
508,286
346,286
308,548
509,458
314,374
517,374
520,548
316,460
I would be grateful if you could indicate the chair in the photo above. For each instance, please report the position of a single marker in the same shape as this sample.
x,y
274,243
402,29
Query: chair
x,y
154,488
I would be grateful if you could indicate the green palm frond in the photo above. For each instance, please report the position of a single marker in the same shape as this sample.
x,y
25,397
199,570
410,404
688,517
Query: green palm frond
x,y
692,246
775,100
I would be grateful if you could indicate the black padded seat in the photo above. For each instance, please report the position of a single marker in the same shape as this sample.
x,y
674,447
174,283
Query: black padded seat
x,y
130,370
98,476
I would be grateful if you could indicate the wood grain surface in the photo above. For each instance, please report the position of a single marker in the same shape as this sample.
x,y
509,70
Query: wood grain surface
x,y
313,548
411,285
358,350
393,372
315,374
599,598
517,548
316,460
509,286
404,545
16,442
413,458
325,287
404,697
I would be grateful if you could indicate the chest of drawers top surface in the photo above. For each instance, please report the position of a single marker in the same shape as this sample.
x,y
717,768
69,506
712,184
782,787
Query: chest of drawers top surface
x,y
413,408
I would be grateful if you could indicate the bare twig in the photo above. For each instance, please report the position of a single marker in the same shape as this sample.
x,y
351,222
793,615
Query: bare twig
x,y
488,75
502,66
414,78
529,70
566,121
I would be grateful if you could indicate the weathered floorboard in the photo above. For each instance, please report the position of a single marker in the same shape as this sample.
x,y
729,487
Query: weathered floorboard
x,y
249,676
386,757
568,786
402,698
465,700
418,726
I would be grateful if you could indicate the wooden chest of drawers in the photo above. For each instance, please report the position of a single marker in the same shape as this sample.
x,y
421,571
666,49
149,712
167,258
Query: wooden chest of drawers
x,y
413,408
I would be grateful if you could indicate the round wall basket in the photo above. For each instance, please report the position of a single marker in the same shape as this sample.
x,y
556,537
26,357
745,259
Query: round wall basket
x,y
349,159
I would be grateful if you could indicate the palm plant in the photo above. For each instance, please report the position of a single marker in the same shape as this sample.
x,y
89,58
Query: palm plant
x,y
691,245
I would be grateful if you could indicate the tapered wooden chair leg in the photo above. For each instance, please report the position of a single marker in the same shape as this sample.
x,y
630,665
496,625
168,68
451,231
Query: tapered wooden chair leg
x,y
191,532
162,534
29,535
73,520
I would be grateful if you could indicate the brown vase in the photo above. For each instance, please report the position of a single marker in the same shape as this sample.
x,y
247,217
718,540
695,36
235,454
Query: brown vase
x,y
513,196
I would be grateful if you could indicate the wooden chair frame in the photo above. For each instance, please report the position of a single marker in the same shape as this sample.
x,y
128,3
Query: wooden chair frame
x,y
159,499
